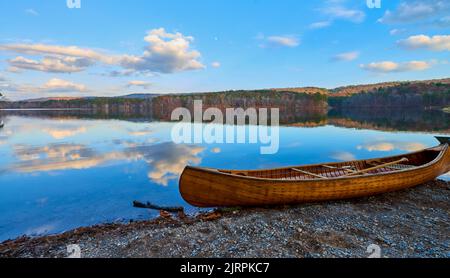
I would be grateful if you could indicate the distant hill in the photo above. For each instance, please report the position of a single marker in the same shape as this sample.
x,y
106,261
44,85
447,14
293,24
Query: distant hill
x,y
139,96
44,99
366,88
304,90
417,94
130,96
290,104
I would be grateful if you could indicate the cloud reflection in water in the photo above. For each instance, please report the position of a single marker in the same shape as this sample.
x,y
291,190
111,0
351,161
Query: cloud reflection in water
x,y
165,160
387,146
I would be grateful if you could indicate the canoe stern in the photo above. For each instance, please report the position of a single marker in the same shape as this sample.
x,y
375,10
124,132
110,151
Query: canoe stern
x,y
188,187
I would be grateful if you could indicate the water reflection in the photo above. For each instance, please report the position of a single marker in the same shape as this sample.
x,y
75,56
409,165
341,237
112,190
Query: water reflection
x,y
58,171
342,156
166,160
63,133
392,119
387,146
400,119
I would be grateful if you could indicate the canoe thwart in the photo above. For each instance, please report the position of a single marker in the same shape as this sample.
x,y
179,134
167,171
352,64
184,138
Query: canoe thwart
x,y
308,173
384,165
344,168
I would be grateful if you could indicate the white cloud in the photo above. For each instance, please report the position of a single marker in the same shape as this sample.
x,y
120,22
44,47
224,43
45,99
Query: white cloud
x,y
394,32
31,12
346,56
215,64
340,12
50,64
389,66
320,24
57,50
116,73
410,11
284,41
165,53
54,85
435,43
59,85
139,83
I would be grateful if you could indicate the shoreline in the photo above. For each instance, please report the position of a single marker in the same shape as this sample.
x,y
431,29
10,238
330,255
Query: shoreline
x,y
409,223
44,109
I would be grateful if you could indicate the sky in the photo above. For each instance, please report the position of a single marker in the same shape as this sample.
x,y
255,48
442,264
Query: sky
x,y
110,47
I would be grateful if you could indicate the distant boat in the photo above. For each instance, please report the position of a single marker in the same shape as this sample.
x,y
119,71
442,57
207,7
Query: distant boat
x,y
205,187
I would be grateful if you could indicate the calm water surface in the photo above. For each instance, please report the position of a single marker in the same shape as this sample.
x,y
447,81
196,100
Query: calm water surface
x,y
60,173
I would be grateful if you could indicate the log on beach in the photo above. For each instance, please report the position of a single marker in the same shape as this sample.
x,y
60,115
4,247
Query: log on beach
x,y
149,205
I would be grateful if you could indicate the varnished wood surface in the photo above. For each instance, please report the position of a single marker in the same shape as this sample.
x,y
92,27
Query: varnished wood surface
x,y
205,187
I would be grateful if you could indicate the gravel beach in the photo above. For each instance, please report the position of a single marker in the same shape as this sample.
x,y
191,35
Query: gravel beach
x,y
410,223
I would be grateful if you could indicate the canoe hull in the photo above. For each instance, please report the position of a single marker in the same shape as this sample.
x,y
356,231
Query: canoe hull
x,y
210,188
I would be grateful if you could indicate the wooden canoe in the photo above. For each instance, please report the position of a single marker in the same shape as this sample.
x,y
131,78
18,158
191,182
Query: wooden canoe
x,y
205,187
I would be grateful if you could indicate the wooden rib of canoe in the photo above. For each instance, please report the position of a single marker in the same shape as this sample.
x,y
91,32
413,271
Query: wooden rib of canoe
x,y
205,187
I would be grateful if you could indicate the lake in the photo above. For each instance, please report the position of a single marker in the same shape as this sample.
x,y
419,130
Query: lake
x,y
61,170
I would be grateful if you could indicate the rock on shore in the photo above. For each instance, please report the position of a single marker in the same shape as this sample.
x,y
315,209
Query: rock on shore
x,y
410,223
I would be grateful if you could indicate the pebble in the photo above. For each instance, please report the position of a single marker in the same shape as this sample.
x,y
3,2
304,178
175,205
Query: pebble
x,y
410,223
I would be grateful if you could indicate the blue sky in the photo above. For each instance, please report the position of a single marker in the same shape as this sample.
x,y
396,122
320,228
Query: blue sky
x,y
112,47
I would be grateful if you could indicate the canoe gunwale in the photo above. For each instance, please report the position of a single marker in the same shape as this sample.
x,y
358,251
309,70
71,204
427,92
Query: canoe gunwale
x,y
437,159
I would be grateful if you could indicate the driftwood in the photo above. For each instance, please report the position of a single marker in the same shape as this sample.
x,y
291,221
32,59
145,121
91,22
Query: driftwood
x,y
149,205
